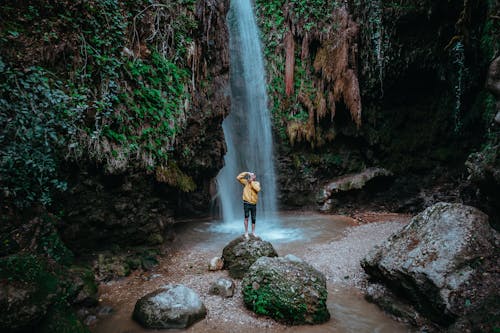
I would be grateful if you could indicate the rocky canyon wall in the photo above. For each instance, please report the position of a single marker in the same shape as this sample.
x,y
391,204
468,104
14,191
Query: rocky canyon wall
x,y
126,102
359,84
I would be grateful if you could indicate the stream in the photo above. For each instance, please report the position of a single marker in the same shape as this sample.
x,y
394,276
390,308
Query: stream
x,y
330,243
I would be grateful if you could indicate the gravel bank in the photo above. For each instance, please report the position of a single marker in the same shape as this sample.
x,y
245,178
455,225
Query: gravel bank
x,y
338,260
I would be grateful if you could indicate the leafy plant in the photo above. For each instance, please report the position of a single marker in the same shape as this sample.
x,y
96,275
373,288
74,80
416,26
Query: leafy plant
x,y
37,119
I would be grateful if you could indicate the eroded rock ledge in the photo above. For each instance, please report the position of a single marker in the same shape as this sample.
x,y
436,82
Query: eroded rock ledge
x,y
355,181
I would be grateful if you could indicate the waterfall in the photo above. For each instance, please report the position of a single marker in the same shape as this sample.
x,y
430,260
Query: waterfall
x,y
247,128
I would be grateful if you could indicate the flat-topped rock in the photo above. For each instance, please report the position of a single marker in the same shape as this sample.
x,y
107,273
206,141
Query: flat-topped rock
x,y
241,253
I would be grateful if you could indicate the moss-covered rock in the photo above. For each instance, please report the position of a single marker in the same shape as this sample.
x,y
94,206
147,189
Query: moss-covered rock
x,y
36,295
287,289
62,319
116,264
85,286
27,291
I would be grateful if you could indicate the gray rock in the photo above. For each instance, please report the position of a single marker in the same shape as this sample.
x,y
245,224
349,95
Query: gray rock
x,y
105,310
443,262
497,117
241,253
172,306
286,289
223,287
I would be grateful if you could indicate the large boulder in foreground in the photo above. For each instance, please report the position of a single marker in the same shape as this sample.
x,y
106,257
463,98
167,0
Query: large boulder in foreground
x,y
172,306
241,253
286,289
444,262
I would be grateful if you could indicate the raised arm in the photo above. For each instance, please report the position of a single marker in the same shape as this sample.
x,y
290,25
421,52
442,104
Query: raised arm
x,y
241,177
255,186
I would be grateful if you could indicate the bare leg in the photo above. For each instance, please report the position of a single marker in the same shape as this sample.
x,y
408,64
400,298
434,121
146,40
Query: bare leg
x,y
246,227
253,229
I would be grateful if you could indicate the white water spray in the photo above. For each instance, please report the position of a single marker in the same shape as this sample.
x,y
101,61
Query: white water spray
x,y
247,129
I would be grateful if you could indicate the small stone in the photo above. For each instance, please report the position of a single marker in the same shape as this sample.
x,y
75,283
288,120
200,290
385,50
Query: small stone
x,y
216,264
105,310
90,320
223,287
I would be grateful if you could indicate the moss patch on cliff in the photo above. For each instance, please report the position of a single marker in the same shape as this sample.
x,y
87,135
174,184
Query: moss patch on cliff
x,y
101,80
309,48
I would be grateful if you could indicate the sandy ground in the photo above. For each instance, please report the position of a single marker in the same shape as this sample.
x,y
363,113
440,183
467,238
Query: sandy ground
x,y
337,259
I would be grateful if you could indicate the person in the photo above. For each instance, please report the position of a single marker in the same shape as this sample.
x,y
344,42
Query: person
x,y
250,197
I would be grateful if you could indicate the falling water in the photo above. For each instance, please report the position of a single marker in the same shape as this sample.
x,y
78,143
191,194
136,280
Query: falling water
x,y
247,129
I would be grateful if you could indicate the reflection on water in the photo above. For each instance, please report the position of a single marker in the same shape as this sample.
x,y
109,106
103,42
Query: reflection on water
x,y
350,311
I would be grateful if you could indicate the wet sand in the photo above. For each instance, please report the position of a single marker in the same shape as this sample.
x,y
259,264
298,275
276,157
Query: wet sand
x,y
332,244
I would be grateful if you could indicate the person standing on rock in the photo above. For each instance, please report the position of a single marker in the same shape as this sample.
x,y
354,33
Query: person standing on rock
x,y
250,197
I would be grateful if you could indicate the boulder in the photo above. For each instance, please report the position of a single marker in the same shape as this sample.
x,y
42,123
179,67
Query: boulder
x,y
286,289
241,253
223,287
172,306
348,183
443,262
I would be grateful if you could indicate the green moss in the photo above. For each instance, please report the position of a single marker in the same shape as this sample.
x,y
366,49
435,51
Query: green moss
x,y
37,120
86,275
62,319
490,44
51,245
104,89
29,269
175,177
281,305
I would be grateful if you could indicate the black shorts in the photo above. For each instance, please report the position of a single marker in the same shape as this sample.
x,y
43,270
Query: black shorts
x,y
250,208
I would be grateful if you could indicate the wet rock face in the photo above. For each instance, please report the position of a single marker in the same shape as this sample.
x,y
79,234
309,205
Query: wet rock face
x,y
36,295
172,306
287,289
104,210
241,253
133,208
443,262
493,83
201,146
22,309
484,166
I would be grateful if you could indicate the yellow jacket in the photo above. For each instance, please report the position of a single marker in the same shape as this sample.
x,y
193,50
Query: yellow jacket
x,y
251,189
